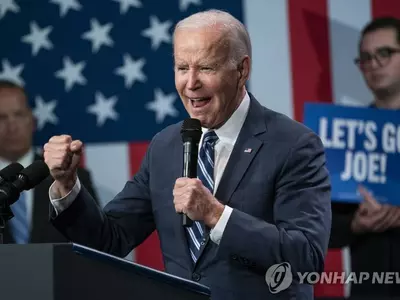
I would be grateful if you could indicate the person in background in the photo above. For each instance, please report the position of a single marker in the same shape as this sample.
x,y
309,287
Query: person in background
x,y
30,223
372,229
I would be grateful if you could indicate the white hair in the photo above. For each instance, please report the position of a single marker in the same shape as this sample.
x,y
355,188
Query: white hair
x,y
233,31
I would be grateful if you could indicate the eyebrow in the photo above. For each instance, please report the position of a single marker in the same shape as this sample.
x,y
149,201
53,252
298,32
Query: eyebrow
x,y
213,62
380,47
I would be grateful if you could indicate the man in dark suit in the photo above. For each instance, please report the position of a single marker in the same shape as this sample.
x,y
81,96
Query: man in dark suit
x,y
30,223
262,196
372,229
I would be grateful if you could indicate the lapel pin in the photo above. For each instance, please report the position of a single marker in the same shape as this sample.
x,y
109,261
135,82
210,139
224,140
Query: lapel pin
x,y
247,150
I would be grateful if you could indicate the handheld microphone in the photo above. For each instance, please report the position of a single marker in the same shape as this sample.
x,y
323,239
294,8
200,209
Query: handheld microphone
x,y
27,179
191,135
10,172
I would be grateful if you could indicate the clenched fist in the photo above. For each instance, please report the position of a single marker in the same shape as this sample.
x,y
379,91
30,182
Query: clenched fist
x,y
62,156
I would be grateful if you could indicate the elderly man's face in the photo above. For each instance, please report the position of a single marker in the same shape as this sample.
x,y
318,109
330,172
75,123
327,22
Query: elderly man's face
x,y
16,124
208,85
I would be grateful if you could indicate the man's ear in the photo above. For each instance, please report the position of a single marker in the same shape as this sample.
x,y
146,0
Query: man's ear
x,y
244,70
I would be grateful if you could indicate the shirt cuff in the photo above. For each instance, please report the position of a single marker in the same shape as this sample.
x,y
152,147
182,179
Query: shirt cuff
x,y
61,204
217,232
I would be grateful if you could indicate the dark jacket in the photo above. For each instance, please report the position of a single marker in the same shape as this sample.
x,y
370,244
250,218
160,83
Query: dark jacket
x,y
275,181
42,230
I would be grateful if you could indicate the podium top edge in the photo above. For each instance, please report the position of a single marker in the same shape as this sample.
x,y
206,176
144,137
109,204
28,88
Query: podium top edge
x,y
142,270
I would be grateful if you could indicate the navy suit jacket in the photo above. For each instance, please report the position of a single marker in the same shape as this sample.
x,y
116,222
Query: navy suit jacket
x,y
279,192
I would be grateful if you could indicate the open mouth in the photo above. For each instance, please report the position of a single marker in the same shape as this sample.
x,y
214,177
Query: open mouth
x,y
200,102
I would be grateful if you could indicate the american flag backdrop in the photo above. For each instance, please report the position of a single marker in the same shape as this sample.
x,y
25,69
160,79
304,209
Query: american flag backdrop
x,y
102,71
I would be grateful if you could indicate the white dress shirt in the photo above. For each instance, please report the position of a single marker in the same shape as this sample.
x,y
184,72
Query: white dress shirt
x,y
25,161
227,135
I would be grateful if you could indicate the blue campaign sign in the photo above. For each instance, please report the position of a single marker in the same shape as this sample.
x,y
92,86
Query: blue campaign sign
x,y
362,148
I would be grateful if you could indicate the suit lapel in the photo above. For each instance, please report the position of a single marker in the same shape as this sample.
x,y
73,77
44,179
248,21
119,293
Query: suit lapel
x,y
241,158
246,147
39,211
40,207
36,194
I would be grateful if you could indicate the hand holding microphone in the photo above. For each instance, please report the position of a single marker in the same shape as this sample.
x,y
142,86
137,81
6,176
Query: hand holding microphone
x,y
191,197
191,135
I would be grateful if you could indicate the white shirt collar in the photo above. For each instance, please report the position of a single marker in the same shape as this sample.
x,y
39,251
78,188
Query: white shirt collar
x,y
229,132
25,160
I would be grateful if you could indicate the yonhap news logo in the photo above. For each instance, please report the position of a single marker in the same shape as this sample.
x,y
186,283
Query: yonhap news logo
x,y
279,277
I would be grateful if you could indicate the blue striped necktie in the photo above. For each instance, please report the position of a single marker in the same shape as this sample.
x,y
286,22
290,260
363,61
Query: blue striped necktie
x,y
19,223
205,172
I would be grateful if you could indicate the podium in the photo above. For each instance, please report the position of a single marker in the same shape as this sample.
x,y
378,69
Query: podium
x,y
72,271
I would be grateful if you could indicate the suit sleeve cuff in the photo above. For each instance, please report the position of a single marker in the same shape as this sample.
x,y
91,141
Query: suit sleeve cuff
x,y
217,232
61,204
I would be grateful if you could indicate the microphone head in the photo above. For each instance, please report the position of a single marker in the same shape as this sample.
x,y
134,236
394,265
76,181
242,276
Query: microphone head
x,y
10,172
191,130
35,174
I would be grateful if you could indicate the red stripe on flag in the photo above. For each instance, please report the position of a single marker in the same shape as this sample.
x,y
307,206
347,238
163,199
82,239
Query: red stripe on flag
x,y
149,252
383,8
137,152
310,53
334,264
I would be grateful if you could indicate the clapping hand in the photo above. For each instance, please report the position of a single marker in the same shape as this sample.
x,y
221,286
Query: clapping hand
x,y
371,216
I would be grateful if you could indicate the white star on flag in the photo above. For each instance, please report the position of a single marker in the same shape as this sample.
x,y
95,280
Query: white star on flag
x,y
103,108
98,35
125,4
184,4
157,32
162,105
44,112
131,70
8,5
38,38
12,73
71,73
66,5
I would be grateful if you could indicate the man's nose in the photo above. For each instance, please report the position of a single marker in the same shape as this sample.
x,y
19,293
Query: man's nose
x,y
375,63
12,124
193,82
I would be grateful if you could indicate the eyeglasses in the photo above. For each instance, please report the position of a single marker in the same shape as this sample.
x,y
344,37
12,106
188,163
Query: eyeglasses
x,y
382,56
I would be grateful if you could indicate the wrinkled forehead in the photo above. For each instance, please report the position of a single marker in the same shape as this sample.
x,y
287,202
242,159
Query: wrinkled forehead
x,y
385,37
193,45
12,98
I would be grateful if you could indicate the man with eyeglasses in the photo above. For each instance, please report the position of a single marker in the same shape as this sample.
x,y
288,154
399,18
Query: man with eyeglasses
x,y
372,230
